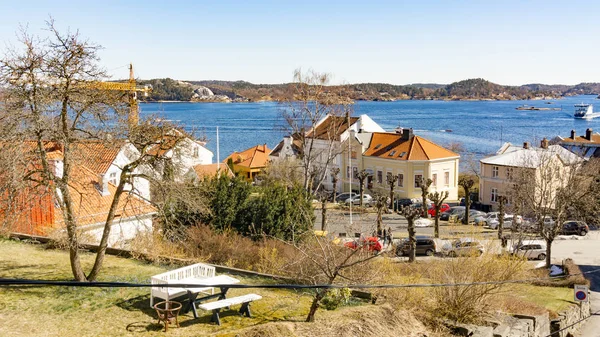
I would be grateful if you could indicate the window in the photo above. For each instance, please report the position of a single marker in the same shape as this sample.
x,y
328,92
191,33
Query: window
x,y
494,171
380,177
353,154
446,179
355,172
494,195
401,154
434,179
508,172
392,153
377,146
196,154
388,177
347,171
400,180
113,178
418,178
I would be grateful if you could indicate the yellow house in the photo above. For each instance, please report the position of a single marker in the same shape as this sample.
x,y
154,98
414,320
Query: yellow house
x,y
405,155
249,163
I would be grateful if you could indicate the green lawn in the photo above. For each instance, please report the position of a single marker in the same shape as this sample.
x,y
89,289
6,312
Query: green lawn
x,y
70,311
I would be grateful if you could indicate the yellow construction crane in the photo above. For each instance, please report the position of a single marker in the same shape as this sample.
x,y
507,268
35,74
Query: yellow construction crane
x,y
129,87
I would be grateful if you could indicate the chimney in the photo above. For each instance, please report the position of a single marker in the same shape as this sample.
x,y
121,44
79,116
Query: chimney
x,y
526,145
544,143
398,130
103,185
407,134
573,134
588,134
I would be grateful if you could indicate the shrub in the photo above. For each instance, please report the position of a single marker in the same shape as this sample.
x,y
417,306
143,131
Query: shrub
x,y
336,298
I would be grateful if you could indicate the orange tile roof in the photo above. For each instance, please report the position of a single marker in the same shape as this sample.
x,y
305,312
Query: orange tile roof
x,y
212,169
97,156
581,139
331,128
91,207
254,157
391,146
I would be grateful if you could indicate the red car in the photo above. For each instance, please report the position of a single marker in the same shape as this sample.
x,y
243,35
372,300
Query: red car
x,y
444,208
371,243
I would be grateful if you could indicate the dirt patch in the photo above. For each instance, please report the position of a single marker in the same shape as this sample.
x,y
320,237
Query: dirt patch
x,y
368,320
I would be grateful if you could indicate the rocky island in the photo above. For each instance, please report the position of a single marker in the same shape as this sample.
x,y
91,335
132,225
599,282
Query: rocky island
x,y
467,90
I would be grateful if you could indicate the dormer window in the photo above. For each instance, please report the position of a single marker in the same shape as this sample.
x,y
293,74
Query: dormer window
x,y
377,146
401,154
113,178
196,153
392,153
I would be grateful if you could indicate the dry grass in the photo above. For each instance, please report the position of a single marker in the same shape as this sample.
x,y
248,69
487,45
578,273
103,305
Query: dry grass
x,y
470,303
360,321
60,311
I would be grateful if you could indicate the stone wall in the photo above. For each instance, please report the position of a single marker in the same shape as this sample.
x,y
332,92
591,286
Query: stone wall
x,y
568,317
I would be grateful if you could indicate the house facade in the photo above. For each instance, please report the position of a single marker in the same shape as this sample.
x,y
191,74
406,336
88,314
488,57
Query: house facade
x,y
95,170
497,172
250,162
402,154
326,141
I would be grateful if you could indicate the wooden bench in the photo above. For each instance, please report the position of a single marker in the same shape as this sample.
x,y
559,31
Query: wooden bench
x,y
183,275
218,305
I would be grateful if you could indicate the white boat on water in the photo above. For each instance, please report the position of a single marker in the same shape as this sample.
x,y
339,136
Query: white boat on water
x,y
585,111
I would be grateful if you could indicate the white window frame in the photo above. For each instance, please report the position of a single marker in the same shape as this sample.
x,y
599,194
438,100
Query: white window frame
x,y
495,170
418,181
434,180
400,182
494,196
113,178
447,178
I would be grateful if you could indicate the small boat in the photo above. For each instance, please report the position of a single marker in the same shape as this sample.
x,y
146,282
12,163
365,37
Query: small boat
x,y
585,111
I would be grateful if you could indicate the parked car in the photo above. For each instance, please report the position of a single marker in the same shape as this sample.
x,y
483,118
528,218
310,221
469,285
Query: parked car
x,y
574,227
342,197
508,222
534,249
453,210
402,202
355,200
370,243
443,208
491,217
475,214
425,246
463,247
482,220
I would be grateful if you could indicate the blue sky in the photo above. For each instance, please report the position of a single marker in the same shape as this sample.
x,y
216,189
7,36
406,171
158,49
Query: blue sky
x,y
399,42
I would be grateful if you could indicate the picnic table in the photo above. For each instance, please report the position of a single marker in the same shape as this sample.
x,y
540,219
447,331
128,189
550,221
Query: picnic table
x,y
221,280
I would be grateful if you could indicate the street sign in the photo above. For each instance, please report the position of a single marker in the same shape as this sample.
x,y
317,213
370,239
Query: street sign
x,y
581,293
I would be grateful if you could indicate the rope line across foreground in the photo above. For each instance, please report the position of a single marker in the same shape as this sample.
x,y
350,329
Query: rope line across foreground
x,y
25,282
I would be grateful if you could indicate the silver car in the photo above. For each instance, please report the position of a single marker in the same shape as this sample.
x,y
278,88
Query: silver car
x,y
531,250
463,248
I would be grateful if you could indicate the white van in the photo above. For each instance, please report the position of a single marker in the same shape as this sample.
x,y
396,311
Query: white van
x,y
534,249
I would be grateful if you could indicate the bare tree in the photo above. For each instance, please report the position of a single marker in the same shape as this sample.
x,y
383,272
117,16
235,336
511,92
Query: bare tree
x,y
391,180
335,171
411,214
544,186
466,182
424,185
317,260
362,175
380,206
311,102
501,212
438,199
47,89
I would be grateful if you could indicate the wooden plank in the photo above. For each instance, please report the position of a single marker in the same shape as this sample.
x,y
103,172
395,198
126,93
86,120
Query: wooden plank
x,y
229,302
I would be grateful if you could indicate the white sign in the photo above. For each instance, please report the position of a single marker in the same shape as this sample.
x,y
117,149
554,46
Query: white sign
x,y
580,293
